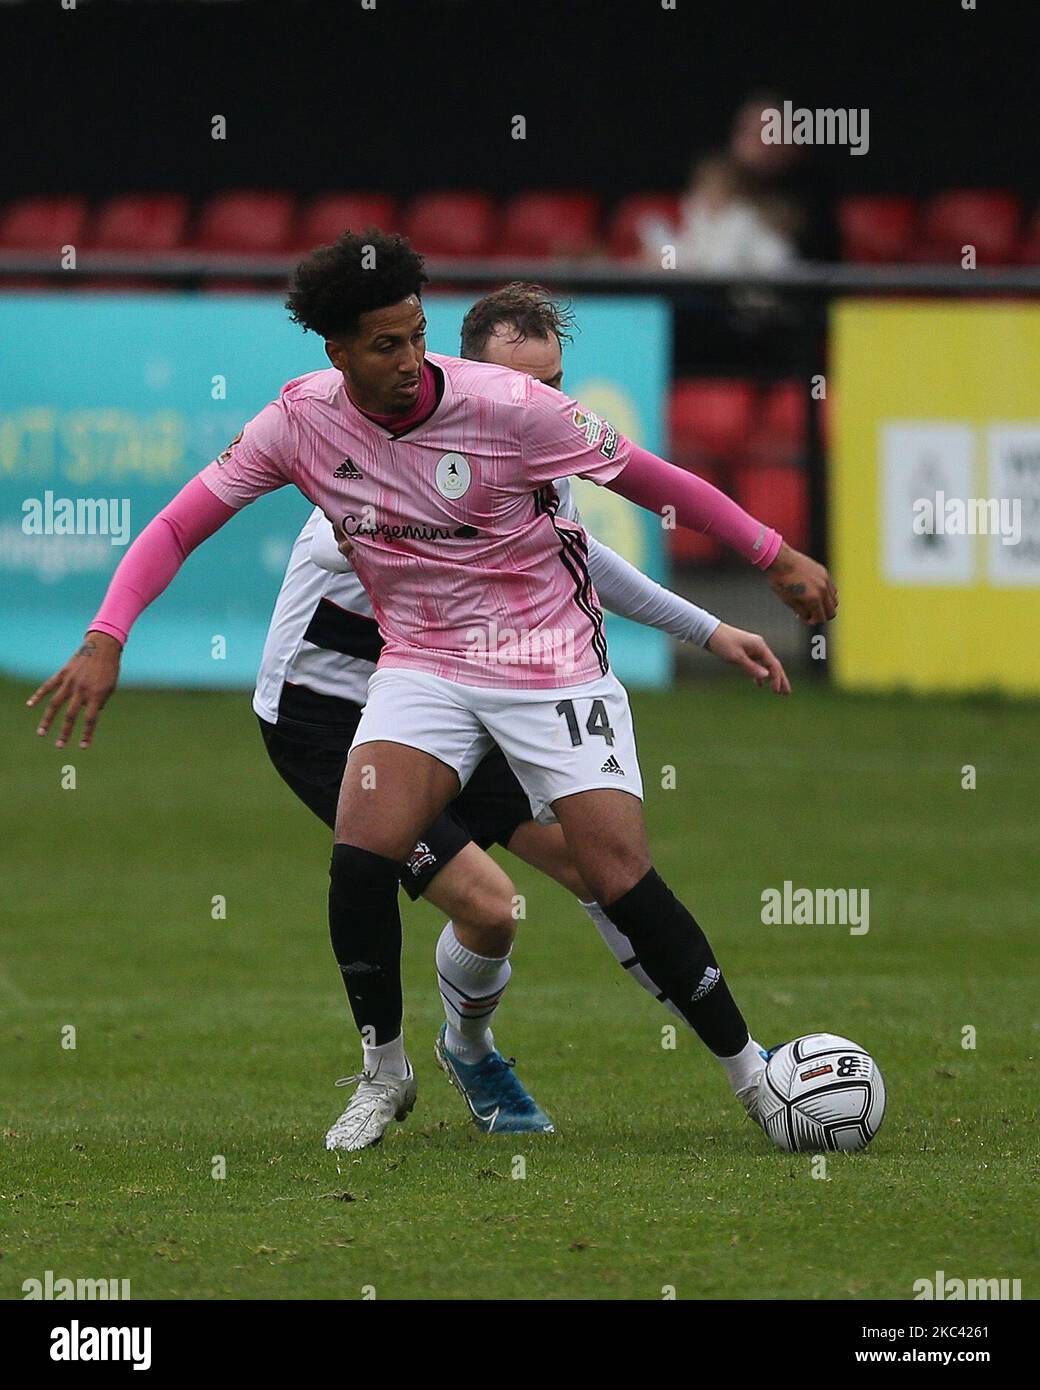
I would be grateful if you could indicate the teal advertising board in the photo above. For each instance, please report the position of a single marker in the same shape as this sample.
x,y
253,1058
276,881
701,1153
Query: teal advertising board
x,y
119,399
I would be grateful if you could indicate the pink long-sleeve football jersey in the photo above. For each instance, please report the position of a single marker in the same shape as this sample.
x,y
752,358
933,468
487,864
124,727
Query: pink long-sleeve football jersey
x,y
472,574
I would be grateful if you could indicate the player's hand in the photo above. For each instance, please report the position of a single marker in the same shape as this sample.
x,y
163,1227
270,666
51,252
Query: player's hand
x,y
343,542
751,653
84,683
803,584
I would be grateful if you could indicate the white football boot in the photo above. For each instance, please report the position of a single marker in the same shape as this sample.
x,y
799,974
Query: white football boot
x,y
377,1101
748,1095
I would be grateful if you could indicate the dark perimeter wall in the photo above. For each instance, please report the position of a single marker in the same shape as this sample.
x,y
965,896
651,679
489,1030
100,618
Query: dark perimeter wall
x,y
420,93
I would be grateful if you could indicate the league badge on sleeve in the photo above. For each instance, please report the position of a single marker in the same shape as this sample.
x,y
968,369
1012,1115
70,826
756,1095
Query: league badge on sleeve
x,y
592,426
223,457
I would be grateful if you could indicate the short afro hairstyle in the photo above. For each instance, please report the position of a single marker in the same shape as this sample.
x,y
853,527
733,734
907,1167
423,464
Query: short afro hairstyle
x,y
529,310
332,286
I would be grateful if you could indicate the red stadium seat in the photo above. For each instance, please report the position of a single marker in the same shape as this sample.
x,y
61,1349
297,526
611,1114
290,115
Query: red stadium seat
x,y
876,229
1029,252
537,225
140,222
987,220
777,494
780,435
453,224
326,217
711,419
252,222
630,215
43,224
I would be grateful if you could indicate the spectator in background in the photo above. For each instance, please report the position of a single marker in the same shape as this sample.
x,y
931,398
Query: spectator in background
x,y
785,182
721,228
753,207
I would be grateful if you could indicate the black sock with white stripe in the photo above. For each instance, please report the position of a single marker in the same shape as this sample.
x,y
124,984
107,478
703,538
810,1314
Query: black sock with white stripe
x,y
671,949
471,987
624,953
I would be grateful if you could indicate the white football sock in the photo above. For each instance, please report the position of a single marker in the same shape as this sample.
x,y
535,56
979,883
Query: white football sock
x,y
471,987
745,1066
622,950
388,1058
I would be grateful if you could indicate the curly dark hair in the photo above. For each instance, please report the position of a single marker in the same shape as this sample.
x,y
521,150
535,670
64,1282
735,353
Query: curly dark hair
x,y
528,309
332,286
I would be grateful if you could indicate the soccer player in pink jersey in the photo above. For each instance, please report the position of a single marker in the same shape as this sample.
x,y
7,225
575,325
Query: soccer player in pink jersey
x,y
440,472
320,653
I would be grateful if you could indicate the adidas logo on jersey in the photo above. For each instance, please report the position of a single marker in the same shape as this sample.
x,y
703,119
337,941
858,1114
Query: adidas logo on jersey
x,y
347,469
612,765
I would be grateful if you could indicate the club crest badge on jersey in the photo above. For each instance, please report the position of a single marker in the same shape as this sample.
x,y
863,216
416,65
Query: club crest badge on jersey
x,y
453,476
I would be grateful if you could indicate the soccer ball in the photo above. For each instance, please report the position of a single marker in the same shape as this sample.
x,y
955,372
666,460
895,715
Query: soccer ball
x,y
821,1092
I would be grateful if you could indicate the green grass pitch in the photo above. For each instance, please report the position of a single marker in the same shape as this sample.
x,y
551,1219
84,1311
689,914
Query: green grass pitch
x,y
197,1038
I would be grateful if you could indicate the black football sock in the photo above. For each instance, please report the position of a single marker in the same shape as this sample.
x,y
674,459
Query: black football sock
x,y
365,926
675,953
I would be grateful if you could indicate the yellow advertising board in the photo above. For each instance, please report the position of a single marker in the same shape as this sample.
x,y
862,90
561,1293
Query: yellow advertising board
x,y
934,487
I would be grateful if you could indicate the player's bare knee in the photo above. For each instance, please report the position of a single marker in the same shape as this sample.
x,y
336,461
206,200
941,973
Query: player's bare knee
x,y
479,897
487,924
619,870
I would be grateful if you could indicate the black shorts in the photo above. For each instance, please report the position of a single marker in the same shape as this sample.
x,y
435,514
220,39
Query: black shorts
x,y
310,757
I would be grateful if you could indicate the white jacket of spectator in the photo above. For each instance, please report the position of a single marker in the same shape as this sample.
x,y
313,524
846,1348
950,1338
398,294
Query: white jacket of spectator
x,y
733,237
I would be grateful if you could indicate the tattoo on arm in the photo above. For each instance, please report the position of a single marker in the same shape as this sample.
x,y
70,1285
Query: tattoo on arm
x,y
88,648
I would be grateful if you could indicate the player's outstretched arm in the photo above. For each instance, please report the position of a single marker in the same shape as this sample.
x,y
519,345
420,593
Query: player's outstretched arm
x,y
258,461
560,438
796,579
630,593
88,678
626,590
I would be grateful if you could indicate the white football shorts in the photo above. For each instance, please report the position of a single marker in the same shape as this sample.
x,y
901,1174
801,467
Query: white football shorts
x,y
558,742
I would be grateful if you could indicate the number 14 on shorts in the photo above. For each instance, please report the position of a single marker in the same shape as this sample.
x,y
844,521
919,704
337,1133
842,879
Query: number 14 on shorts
x,y
597,722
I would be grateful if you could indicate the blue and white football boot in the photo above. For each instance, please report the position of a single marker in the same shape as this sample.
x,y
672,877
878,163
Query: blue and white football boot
x,y
494,1093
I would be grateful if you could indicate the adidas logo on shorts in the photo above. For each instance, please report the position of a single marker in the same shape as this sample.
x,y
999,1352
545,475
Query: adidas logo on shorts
x,y
347,469
612,765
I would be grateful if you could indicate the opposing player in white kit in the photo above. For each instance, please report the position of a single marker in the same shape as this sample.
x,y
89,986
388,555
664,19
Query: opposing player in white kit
x,y
311,687
440,472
